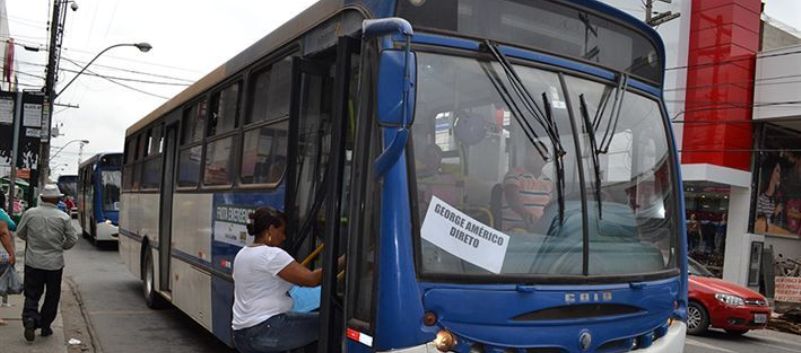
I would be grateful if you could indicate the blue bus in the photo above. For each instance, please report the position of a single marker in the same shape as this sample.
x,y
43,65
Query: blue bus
x,y
68,185
501,175
99,191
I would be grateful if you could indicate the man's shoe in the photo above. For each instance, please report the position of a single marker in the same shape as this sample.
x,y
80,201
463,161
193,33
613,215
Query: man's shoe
x,y
46,331
30,329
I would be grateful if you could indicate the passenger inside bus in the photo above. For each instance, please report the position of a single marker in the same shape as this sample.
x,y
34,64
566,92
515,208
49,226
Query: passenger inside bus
x,y
526,192
263,274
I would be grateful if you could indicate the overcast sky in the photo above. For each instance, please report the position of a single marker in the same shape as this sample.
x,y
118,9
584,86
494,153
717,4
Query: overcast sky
x,y
189,39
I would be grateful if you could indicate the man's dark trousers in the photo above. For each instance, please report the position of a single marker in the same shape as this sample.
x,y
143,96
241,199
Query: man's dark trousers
x,y
38,282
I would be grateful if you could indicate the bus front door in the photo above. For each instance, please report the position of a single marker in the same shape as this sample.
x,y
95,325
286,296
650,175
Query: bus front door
x,y
165,218
321,136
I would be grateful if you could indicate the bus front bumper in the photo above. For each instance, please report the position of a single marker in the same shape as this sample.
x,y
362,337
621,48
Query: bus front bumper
x,y
107,231
671,342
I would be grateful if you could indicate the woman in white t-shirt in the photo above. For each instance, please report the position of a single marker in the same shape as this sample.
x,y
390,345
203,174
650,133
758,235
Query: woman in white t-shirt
x,y
263,273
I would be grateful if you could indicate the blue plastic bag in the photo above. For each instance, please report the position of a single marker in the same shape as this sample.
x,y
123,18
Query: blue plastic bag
x,y
305,299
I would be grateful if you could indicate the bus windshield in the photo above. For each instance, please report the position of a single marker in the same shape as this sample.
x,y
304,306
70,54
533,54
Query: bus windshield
x,y
112,182
485,160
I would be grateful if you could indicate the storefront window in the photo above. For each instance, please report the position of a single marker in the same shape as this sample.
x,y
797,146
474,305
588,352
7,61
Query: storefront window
x,y
777,200
707,208
776,213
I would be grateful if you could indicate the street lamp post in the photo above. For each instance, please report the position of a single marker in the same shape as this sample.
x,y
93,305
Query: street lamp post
x,y
143,47
44,172
83,142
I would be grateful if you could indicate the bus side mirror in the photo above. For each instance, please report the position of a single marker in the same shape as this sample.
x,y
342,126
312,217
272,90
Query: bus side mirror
x,y
396,70
396,88
395,92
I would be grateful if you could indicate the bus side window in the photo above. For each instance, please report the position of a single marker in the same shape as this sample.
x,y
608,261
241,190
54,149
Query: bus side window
x,y
137,163
192,149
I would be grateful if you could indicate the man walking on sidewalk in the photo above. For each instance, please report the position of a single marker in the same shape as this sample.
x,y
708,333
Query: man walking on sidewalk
x,y
47,232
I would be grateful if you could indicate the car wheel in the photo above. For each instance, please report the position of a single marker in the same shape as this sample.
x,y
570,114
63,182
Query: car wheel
x,y
736,332
152,298
697,319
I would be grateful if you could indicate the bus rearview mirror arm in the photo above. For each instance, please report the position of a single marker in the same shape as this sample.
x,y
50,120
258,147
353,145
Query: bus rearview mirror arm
x,y
394,105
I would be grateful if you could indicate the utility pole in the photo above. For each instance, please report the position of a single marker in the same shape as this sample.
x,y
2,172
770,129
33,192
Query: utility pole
x,y
80,153
54,55
654,19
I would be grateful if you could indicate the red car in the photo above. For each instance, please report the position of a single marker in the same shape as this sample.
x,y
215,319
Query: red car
x,y
717,303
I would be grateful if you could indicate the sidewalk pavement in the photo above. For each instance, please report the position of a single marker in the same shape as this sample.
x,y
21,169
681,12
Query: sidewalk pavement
x,y
11,338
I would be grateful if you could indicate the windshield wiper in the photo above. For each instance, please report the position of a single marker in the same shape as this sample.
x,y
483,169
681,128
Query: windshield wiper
x,y
592,127
559,163
516,112
614,115
543,117
588,126
527,98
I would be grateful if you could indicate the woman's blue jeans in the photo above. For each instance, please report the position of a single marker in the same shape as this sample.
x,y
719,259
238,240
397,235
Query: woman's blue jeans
x,y
280,333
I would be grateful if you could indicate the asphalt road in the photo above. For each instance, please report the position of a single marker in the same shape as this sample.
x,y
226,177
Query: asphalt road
x,y
761,341
116,311
121,323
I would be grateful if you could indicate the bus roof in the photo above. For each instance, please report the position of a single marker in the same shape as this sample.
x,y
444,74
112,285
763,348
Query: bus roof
x,y
320,12
97,157
285,34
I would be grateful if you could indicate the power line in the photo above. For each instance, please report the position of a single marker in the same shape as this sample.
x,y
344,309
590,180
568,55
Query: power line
x,y
38,43
80,64
184,69
732,60
708,103
90,73
28,74
127,86
756,82
23,19
39,26
135,72
740,150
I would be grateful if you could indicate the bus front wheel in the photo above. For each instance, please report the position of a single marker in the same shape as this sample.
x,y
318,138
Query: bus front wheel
x,y
152,298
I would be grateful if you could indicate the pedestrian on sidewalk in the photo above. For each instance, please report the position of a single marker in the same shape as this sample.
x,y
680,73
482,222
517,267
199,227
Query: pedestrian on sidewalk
x,y
48,233
7,256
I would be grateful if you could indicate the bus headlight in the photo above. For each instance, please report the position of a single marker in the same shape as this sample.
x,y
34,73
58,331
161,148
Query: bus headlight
x,y
445,341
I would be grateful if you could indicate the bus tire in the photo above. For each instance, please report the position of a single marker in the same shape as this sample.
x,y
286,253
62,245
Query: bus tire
x,y
84,232
93,236
153,299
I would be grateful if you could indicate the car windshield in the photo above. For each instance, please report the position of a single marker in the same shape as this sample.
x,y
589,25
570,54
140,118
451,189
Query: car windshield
x,y
499,178
112,181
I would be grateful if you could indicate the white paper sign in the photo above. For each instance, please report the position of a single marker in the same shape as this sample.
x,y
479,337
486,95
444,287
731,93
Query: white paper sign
x,y
464,237
6,111
230,225
33,115
232,233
